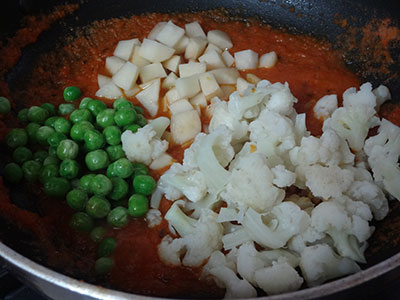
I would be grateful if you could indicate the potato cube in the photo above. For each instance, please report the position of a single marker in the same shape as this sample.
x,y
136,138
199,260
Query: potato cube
x,y
242,85
170,34
211,47
172,95
180,47
226,75
185,126
156,30
187,87
164,160
169,81
103,80
191,68
155,51
152,71
194,29
113,64
124,48
268,60
220,39
246,59
198,101
195,47
212,59
209,86
149,97
173,63
126,77
228,58
227,90
132,92
180,106
109,91
137,59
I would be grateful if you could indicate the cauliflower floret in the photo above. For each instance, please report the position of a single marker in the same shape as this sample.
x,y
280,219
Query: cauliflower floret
x,y
143,146
285,220
224,275
153,217
383,152
325,106
364,97
282,176
319,263
282,100
250,184
199,237
277,279
307,238
382,94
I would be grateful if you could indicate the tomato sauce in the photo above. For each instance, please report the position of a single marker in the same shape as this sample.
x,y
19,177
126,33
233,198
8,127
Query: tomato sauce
x,y
311,68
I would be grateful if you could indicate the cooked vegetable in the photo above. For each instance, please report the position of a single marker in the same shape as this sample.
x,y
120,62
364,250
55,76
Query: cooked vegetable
x,y
72,93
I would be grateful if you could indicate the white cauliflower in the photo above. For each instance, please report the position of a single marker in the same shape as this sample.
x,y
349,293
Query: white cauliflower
x,y
325,106
153,217
282,176
143,146
199,238
364,97
382,94
319,263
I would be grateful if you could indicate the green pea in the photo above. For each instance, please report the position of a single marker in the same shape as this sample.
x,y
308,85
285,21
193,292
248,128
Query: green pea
x,y
97,234
125,117
23,115
67,149
40,156
62,125
122,103
55,138
78,130
53,152
96,106
84,102
123,168
98,207
132,127
80,115
43,134
115,152
106,247
139,110
103,265
111,171
31,130
118,217
51,160
37,114
100,185
96,160
69,169
85,182
138,205
144,184
51,109
31,170
105,118
119,190
93,140
76,199
12,173
5,105
81,222
112,135
22,154
17,137
72,93
48,171
140,169
56,187
141,120
50,121
66,108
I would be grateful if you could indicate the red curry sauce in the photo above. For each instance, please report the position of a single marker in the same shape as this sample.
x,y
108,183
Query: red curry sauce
x,y
311,68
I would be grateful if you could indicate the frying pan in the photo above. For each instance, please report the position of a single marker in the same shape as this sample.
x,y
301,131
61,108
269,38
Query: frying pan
x,y
315,17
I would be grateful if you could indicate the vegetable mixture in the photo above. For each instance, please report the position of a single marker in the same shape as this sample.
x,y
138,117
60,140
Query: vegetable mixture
x,y
247,191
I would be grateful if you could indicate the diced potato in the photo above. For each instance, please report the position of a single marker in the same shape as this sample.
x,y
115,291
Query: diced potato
x,y
195,47
212,47
132,92
156,30
226,75
109,91
242,85
152,71
155,51
180,106
172,95
227,90
173,63
126,77
220,39
191,68
254,79
268,60
212,59
246,59
149,97
113,64
137,59
103,80
164,160
180,47
159,125
194,29
169,82
124,48
185,126
209,86
228,58
198,101
187,87
170,34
